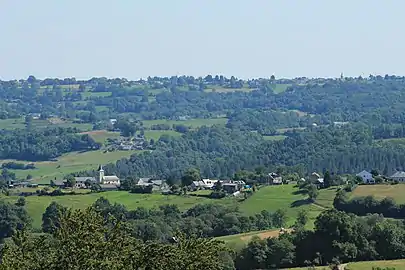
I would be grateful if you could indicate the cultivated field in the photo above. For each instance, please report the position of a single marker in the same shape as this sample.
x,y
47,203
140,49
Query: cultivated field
x,y
381,191
193,123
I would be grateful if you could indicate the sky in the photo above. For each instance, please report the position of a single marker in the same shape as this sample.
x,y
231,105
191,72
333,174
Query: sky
x,y
245,38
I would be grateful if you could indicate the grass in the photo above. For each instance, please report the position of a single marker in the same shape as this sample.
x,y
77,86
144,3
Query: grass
x,y
193,123
20,123
36,205
219,89
239,241
368,265
279,88
381,191
101,136
89,94
155,134
275,137
272,198
69,163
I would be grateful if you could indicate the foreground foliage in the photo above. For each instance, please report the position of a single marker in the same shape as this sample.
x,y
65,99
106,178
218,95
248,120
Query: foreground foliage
x,y
86,240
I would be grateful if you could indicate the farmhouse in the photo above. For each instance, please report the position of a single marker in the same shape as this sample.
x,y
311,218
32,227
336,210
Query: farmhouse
x,y
398,176
209,183
275,179
156,184
366,176
197,185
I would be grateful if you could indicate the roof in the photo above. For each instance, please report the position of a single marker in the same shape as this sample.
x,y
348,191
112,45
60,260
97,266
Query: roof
x,y
111,178
108,186
230,184
84,178
363,172
320,180
198,183
316,174
400,174
157,182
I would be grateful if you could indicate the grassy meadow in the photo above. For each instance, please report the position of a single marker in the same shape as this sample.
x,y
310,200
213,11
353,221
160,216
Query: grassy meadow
x,y
381,191
367,265
269,198
193,123
69,163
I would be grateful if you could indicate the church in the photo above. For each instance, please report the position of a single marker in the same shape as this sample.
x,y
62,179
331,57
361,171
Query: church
x,y
107,179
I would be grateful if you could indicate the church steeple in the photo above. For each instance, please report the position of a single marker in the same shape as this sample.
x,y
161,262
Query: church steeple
x,y
100,174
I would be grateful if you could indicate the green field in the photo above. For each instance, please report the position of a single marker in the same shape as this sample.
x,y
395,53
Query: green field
x,y
36,205
193,123
394,264
89,94
20,123
155,134
69,163
275,137
101,136
381,191
269,198
279,88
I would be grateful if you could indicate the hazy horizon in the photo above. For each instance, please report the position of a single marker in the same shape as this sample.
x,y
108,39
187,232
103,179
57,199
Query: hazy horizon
x,y
246,39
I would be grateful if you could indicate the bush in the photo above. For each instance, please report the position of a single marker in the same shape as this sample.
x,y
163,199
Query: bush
x,y
217,194
142,189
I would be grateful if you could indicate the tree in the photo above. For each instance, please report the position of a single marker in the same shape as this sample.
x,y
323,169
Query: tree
x,y
327,181
375,172
190,176
20,202
12,217
70,181
280,218
86,240
313,192
302,219
218,186
51,217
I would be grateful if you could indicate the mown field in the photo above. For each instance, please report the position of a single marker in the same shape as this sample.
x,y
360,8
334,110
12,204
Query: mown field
x,y
193,123
69,163
394,264
269,198
381,191
273,198
20,123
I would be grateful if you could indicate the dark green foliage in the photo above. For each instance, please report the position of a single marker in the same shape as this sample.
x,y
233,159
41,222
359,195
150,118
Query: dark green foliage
x,y
337,238
51,217
86,240
12,217
42,144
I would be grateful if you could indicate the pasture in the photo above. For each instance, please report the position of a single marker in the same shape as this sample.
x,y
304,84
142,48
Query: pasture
x,y
19,123
36,205
269,198
193,123
274,137
155,134
69,163
381,191
367,265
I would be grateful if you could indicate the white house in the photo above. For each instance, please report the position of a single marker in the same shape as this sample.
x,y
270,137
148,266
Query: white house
x,y
398,176
366,176
209,183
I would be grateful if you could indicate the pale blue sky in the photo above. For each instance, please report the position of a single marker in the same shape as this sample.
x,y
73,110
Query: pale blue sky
x,y
245,38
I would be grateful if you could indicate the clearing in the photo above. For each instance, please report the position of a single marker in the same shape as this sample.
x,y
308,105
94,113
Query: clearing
x,y
69,163
274,137
381,191
239,241
394,264
193,123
